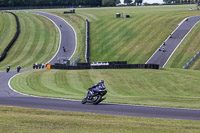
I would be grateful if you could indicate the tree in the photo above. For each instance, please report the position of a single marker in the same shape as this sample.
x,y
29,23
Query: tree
x,y
117,1
108,2
128,1
138,2
1,2
171,1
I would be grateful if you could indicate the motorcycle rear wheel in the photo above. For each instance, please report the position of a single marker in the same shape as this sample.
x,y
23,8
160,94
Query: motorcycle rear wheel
x,y
97,100
84,100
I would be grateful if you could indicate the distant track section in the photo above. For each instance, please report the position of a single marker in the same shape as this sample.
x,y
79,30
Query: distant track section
x,y
3,55
68,40
166,50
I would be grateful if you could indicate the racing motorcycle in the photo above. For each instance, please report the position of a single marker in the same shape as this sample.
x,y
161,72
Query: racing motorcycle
x,y
94,95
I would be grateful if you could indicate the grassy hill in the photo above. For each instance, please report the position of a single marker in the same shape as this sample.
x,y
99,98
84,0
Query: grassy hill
x,y
7,29
134,39
37,42
186,51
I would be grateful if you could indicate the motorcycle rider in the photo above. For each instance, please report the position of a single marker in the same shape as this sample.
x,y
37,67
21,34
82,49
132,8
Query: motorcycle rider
x,y
98,86
8,68
18,68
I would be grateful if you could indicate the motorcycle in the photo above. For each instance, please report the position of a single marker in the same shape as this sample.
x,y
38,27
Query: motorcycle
x,y
96,97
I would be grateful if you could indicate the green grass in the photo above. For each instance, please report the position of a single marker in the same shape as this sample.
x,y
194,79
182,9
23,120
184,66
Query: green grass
x,y
78,23
166,88
134,39
7,29
37,42
16,119
186,51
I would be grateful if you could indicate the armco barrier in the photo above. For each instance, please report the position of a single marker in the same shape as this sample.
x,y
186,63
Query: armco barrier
x,y
110,66
3,55
87,42
192,60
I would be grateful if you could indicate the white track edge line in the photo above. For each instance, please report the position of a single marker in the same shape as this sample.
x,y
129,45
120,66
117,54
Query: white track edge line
x,y
61,34
104,102
72,29
166,39
180,43
34,95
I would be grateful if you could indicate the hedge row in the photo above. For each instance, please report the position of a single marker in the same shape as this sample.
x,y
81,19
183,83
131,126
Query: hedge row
x,y
3,55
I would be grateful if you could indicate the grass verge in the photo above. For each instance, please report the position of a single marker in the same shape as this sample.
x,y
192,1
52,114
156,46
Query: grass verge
x,y
166,88
16,119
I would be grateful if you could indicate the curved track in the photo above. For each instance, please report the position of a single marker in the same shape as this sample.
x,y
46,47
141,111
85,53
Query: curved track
x,y
12,98
171,44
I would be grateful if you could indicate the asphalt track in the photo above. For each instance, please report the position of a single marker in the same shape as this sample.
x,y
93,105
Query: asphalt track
x,y
12,98
171,44
67,38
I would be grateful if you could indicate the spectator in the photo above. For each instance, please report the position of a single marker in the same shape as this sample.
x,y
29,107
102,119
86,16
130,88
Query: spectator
x,y
42,66
39,66
34,66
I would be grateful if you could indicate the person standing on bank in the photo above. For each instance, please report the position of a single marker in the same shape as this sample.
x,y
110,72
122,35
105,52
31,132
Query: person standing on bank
x,y
8,68
18,68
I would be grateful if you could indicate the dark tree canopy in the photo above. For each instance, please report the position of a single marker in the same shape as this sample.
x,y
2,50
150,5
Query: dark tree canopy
x,y
8,3
128,1
138,2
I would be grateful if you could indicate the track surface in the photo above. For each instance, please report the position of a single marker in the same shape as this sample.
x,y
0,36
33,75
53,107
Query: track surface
x,y
171,44
67,38
12,98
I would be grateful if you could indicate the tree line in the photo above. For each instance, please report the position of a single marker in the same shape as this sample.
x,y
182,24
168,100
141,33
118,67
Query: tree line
x,y
11,3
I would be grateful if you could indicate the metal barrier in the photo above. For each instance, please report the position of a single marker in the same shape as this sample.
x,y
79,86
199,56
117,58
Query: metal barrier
x,y
191,61
87,42
107,65
75,61
3,55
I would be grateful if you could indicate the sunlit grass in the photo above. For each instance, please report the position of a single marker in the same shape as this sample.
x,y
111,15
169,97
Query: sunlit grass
x,y
16,119
37,42
168,88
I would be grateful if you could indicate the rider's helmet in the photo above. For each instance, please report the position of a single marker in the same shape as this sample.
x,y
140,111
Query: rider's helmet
x,y
101,81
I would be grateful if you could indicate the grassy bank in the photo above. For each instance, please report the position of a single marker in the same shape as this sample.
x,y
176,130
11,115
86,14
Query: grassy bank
x,y
168,88
134,39
37,42
15,119
7,29
186,51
